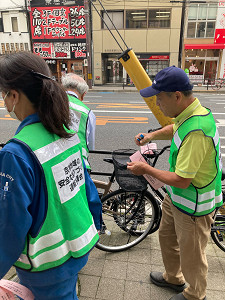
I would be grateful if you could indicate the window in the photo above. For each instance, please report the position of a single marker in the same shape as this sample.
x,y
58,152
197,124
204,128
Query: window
x,y
12,47
1,25
201,20
116,17
17,47
21,47
7,48
26,47
14,24
3,48
159,18
136,19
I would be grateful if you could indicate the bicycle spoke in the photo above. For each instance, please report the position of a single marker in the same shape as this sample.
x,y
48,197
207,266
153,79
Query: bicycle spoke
x,y
127,219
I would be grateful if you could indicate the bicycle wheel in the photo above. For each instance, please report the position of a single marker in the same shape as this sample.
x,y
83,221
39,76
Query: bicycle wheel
x,y
218,228
216,84
128,218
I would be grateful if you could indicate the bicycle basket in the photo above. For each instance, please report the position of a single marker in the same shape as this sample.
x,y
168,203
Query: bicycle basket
x,y
126,180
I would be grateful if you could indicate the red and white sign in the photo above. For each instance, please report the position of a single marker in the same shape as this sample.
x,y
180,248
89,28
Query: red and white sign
x,y
220,24
52,50
219,36
58,22
161,57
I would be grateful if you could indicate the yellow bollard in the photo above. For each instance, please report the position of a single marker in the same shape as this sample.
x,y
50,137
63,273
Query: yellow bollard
x,y
141,80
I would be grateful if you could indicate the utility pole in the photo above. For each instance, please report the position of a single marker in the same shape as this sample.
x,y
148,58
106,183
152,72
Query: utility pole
x,y
183,15
88,42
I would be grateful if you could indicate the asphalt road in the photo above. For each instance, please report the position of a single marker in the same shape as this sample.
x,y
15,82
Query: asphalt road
x,y
120,116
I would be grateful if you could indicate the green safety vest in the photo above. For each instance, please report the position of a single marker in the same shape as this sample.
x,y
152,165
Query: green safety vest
x,y
79,117
68,229
194,200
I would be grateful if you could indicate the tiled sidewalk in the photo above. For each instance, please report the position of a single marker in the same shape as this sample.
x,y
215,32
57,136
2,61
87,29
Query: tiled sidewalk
x,y
125,275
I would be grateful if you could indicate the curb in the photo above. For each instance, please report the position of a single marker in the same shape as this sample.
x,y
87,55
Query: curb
x,y
136,91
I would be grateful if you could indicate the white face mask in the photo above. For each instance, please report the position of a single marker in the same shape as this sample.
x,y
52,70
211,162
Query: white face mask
x,y
11,113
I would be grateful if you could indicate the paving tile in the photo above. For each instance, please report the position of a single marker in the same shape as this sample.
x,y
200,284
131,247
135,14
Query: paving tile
x,y
120,256
139,255
110,289
86,298
155,243
210,250
214,264
136,290
115,269
93,267
157,268
158,293
96,253
138,272
215,295
216,281
89,285
222,263
156,257
145,243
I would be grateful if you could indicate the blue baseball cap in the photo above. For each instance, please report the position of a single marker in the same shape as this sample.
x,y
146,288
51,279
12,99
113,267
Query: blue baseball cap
x,y
170,79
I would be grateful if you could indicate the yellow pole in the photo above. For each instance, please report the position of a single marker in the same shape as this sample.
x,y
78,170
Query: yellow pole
x,y
141,80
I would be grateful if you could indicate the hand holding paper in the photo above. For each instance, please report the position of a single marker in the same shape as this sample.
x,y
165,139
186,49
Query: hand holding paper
x,y
138,168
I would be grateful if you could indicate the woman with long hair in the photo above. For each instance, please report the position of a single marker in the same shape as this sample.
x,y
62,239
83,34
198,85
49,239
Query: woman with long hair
x,y
49,207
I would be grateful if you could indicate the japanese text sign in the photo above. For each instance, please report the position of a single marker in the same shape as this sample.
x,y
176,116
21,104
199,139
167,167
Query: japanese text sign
x,y
58,22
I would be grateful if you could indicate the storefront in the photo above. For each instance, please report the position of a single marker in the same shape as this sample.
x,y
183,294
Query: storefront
x,y
153,63
202,62
58,34
114,73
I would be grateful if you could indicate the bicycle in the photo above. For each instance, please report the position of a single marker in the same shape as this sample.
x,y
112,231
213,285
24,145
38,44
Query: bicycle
x,y
217,84
130,214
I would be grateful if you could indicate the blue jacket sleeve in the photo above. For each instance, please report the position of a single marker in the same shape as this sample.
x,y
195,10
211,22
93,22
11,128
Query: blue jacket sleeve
x,y
94,201
16,194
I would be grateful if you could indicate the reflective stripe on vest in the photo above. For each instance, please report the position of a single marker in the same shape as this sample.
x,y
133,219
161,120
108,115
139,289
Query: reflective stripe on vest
x,y
59,252
201,198
57,241
194,200
49,151
80,112
78,107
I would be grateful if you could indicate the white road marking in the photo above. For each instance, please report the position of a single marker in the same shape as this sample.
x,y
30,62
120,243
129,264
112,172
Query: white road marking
x,y
123,111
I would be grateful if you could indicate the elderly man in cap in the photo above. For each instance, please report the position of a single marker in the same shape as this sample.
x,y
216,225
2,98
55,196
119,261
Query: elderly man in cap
x,y
193,183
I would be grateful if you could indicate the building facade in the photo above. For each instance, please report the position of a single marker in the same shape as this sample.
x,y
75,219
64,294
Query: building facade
x,y
58,33
204,43
151,29
14,27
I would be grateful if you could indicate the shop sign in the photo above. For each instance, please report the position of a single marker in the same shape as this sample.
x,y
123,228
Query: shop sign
x,y
52,50
159,57
58,22
50,61
196,78
78,49
220,24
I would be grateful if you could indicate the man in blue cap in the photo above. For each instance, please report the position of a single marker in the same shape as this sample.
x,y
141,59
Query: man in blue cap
x,y
193,183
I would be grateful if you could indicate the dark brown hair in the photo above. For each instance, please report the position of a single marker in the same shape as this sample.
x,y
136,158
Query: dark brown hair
x,y
22,72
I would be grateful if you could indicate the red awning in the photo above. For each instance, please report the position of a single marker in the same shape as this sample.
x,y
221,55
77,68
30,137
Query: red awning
x,y
204,46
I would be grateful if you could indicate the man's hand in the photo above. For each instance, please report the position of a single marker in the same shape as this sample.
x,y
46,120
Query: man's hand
x,y
142,141
137,167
